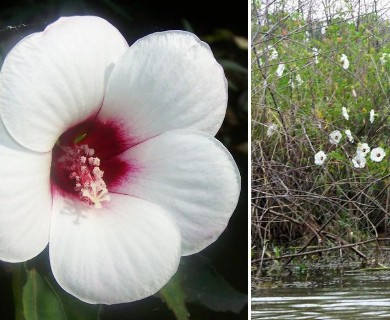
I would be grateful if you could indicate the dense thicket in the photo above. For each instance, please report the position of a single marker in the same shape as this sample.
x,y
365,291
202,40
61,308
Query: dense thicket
x,y
318,71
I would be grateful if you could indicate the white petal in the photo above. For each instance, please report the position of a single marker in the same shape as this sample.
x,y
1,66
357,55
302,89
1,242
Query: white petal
x,y
166,81
123,252
192,176
25,200
54,79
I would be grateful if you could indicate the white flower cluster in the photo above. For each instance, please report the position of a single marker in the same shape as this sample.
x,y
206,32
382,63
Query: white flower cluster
x,y
359,160
363,149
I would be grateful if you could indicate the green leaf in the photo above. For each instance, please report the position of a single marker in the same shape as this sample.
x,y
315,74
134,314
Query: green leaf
x,y
39,301
203,284
44,299
337,155
173,295
18,279
78,310
198,281
75,309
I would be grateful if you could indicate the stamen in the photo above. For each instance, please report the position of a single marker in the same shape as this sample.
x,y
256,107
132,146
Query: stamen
x,y
87,174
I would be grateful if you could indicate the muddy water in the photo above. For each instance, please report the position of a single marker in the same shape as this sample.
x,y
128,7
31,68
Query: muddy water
x,y
353,295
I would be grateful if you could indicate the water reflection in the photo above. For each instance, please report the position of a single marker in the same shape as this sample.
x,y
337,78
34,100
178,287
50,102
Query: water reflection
x,y
355,295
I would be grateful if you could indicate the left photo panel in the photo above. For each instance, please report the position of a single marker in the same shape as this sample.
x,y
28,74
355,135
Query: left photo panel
x,y
124,160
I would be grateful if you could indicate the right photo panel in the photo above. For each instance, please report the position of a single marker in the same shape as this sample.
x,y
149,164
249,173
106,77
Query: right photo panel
x,y
320,211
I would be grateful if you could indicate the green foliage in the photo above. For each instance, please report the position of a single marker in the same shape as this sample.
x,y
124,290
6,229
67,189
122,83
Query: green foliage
x,y
277,251
197,281
326,86
40,302
38,297
205,285
302,268
175,297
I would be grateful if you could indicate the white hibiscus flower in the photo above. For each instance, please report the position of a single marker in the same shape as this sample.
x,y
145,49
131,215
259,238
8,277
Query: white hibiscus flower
x,y
335,137
377,154
363,148
359,161
319,158
108,155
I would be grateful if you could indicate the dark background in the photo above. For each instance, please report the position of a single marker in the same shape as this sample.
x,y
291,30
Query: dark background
x,y
134,19
216,22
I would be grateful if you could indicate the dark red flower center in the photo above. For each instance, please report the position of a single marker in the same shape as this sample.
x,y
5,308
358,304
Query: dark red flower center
x,y
85,162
